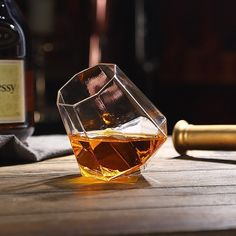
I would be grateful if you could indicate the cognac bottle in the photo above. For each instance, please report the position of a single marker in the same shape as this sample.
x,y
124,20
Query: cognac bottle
x,y
16,80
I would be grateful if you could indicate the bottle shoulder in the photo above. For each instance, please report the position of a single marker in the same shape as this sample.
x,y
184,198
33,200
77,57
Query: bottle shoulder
x,y
12,35
10,15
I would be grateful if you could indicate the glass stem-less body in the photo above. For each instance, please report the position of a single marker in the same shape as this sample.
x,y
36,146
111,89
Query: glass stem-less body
x,y
16,80
112,126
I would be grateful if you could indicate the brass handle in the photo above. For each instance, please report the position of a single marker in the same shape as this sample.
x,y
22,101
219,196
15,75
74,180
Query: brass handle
x,y
203,137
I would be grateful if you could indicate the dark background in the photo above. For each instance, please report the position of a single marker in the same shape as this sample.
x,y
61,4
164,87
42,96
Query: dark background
x,y
180,53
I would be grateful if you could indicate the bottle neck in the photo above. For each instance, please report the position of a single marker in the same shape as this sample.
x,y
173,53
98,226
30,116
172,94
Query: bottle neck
x,y
3,2
6,2
4,9
10,27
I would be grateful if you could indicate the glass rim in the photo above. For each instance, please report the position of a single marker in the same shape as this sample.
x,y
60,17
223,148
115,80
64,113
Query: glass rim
x,y
85,99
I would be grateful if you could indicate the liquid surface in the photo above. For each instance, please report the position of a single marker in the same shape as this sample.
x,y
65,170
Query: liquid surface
x,y
109,154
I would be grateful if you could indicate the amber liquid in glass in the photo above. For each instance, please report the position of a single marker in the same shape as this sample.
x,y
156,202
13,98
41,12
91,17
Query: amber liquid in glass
x,y
109,154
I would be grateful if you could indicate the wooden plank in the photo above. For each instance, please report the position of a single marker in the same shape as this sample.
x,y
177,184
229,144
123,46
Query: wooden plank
x,y
159,164
59,182
73,202
131,192
123,222
56,165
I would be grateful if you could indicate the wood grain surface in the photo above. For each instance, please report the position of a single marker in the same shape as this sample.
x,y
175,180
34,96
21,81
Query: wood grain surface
x,y
174,195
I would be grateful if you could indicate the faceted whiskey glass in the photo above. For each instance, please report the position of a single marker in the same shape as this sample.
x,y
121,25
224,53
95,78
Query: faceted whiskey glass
x,y
112,126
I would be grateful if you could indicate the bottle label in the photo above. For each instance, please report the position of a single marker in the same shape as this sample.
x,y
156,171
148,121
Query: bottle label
x,y
12,91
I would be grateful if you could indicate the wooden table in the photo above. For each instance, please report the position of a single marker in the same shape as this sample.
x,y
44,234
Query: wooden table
x,y
188,195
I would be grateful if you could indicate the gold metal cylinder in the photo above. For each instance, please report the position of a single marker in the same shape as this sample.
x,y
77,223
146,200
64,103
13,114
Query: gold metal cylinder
x,y
203,137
